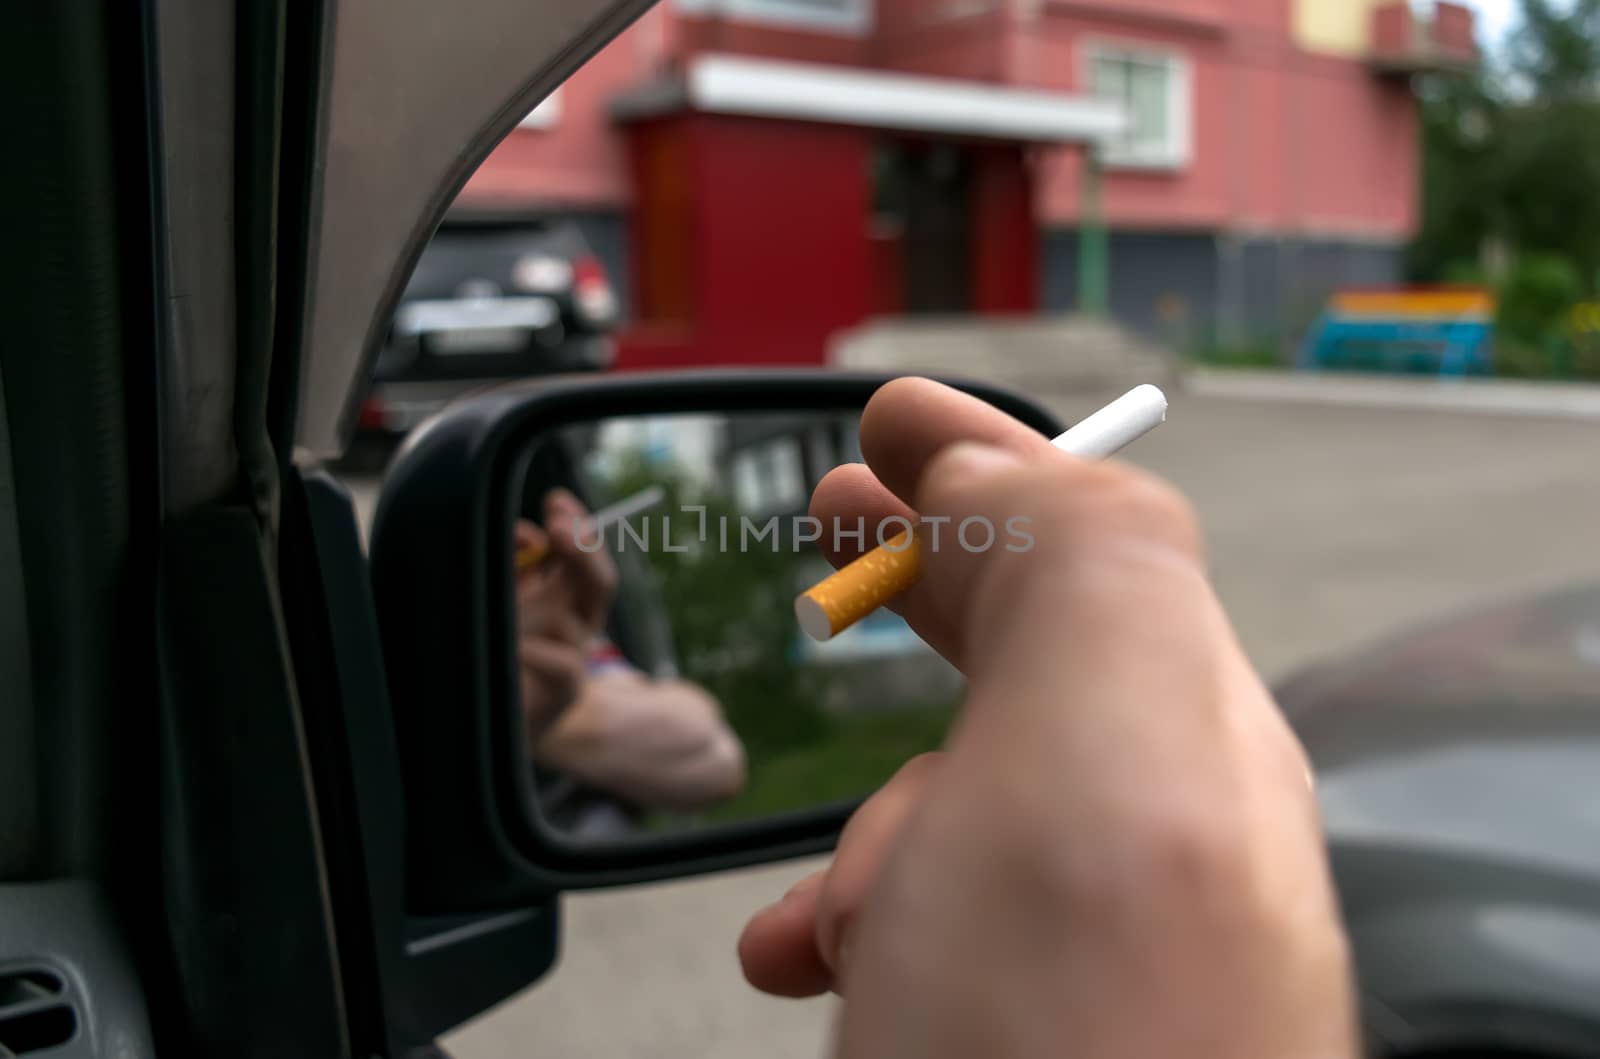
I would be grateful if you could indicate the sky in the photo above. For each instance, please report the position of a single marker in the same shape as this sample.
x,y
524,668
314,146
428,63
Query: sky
x,y
1494,17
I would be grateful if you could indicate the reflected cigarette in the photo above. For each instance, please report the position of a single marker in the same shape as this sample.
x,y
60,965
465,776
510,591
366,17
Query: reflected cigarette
x,y
856,590
596,524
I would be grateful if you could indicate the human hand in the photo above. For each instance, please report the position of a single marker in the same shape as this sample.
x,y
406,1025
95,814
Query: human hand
x,y
657,743
1119,853
561,607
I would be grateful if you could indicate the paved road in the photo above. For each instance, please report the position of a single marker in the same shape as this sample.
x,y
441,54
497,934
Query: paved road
x,y
1328,526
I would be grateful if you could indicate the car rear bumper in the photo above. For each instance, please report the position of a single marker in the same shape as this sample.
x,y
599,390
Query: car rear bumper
x,y
394,407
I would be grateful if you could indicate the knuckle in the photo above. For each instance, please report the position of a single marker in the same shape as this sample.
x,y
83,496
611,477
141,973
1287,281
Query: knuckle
x,y
1154,503
1128,502
918,768
1189,850
1158,856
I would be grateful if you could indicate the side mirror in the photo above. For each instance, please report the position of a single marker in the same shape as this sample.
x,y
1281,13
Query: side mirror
x,y
585,596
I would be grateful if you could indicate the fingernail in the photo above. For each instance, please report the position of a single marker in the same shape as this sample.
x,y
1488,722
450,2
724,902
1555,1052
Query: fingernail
x,y
975,459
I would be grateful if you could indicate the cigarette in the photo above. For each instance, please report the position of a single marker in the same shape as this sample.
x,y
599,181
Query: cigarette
x,y
596,524
852,592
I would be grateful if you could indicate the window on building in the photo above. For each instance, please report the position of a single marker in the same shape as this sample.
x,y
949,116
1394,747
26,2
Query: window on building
x,y
769,477
847,16
1154,87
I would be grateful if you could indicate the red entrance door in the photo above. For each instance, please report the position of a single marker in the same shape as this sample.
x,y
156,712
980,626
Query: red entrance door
x,y
953,229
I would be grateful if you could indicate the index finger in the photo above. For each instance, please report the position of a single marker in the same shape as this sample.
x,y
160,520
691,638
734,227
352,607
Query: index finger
x,y
592,568
910,420
905,424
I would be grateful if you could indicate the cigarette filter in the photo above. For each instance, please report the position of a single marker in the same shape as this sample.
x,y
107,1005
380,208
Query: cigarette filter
x,y
534,554
861,587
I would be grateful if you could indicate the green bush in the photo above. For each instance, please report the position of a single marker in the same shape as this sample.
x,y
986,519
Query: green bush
x,y
1583,360
731,615
1464,274
1536,302
860,754
1515,358
1533,338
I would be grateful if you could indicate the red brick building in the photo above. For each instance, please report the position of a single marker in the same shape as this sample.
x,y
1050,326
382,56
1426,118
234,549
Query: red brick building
x,y
763,173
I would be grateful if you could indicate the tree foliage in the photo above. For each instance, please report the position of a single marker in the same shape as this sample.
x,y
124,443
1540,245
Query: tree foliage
x,y
1554,53
1512,154
725,587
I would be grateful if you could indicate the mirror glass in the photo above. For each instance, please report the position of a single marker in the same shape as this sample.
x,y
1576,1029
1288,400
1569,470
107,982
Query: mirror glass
x,y
664,682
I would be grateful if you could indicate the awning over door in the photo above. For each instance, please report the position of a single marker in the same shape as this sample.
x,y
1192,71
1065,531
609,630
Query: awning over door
x,y
751,87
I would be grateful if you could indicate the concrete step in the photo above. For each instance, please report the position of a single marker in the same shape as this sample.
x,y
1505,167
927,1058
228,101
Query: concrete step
x,y
1049,354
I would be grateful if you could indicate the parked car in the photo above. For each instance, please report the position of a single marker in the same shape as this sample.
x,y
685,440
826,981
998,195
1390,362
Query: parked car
x,y
1456,770
493,298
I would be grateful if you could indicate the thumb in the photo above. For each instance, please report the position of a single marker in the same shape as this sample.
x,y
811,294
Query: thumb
x,y
528,533
529,537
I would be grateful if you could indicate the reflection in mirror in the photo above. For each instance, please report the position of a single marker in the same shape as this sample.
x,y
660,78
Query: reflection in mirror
x,y
664,682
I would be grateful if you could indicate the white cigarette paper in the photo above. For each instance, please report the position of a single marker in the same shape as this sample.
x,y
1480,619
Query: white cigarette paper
x,y
593,528
623,510
1117,425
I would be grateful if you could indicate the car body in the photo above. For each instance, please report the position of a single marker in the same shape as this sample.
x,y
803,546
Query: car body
x,y
1456,768
494,298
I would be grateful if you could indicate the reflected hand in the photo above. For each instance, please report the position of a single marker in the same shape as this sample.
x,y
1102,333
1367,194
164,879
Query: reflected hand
x,y
1119,852
658,744
561,607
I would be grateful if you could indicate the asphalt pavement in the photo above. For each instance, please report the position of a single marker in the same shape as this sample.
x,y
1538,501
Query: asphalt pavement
x,y
1329,523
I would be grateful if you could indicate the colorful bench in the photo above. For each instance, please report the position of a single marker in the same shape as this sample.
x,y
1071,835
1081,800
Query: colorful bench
x,y
1446,331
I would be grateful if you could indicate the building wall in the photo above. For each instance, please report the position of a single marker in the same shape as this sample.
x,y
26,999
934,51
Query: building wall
x,y
807,265
1303,162
944,38
1281,139
1199,288
578,159
1283,284
1191,195
1336,27
781,282
695,33
1150,271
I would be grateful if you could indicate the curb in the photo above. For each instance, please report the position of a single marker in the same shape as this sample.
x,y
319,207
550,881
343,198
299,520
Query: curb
x,y
1484,396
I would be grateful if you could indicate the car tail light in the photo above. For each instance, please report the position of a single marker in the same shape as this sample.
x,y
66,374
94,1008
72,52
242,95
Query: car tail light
x,y
591,291
588,271
374,414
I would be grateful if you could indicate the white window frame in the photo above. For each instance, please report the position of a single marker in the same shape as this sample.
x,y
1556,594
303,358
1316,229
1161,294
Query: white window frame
x,y
1178,150
544,116
855,20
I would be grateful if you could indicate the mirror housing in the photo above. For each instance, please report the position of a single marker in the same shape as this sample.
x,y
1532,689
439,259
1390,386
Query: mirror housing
x,y
439,543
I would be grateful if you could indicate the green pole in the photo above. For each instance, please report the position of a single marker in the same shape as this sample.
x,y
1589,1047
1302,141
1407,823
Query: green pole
x,y
1093,255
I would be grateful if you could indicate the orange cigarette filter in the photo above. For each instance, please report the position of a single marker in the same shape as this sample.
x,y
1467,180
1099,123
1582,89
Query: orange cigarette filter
x,y
859,588
530,556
